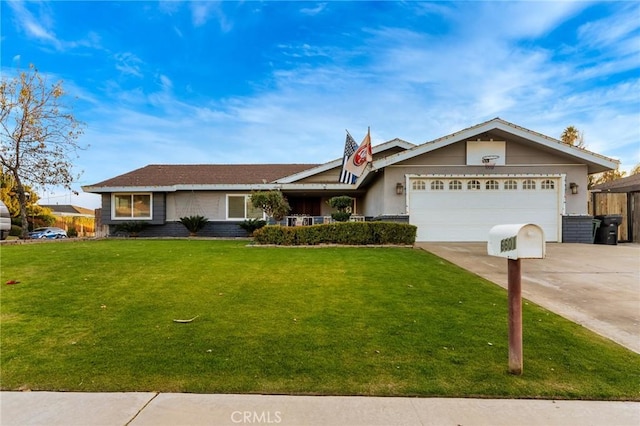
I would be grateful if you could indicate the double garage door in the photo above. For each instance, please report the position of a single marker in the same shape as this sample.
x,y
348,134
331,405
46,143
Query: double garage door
x,y
465,208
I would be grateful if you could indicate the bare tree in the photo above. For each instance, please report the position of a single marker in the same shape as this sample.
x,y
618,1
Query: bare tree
x,y
39,135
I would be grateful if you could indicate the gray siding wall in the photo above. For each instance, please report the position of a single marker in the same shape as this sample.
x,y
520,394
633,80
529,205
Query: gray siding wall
x,y
219,229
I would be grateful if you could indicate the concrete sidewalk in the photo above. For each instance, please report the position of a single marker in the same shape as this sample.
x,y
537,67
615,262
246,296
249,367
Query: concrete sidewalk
x,y
139,409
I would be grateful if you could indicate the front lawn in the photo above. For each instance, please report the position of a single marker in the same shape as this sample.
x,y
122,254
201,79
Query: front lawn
x,y
98,316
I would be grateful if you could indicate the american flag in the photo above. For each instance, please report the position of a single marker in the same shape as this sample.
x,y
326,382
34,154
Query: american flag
x,y
350,147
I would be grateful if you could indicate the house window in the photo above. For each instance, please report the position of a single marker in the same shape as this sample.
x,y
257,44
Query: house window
x,y
511,185
418,185
529,184
473,185
437,185
548,184
455,185
131,206
492,185
240,207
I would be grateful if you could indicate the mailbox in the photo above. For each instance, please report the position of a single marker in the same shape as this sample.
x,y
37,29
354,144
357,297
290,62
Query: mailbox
x,y
519,241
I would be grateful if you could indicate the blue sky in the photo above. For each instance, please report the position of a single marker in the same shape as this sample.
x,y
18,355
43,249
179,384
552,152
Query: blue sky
x,y
279,82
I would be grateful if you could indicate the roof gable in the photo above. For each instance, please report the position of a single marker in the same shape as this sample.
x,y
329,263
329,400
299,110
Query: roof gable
x,y
596,163
378,151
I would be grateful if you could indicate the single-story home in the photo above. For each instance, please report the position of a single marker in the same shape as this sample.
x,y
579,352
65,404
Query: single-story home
x,y
454,188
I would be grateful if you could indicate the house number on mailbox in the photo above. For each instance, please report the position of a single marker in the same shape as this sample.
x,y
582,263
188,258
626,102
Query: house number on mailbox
x,y
508,244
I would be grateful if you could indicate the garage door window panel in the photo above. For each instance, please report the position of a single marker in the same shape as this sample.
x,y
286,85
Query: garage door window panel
x,y
529,185
473,185
492,185
437,185
548,184
511,185
418,185
455,185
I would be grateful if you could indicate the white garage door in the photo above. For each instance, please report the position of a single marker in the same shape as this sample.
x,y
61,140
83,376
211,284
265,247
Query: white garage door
x,y
466,208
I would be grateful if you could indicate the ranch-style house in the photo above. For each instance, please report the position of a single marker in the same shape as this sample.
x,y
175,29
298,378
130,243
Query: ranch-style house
x,y
454,188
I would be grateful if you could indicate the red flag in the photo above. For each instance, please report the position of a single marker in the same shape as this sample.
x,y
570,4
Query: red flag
x,y
359,159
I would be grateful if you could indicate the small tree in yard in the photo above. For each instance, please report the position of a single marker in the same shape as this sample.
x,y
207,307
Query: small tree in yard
x,y
38,135
342,203
272,203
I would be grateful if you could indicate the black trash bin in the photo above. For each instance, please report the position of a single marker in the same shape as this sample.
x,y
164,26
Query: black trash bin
x,y
607,233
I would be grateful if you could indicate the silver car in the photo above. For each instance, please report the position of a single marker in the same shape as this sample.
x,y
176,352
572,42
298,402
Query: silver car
x,y
48,232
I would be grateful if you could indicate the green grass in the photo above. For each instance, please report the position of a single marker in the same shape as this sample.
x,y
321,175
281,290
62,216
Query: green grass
x,y
98,316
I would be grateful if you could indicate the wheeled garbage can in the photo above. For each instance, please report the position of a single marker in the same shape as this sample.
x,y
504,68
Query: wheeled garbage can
x,y
607,233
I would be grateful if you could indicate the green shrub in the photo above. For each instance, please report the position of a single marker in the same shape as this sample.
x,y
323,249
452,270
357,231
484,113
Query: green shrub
x,y
16,230
342,203
194,223
72,232
348,233
251,225
133,227
340,216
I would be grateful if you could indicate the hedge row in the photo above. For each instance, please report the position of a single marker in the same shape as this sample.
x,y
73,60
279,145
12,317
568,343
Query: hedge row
x,y
349,233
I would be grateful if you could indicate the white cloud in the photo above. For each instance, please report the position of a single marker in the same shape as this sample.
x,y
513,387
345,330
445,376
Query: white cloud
x,y
128,64
203,11
34,27
312,11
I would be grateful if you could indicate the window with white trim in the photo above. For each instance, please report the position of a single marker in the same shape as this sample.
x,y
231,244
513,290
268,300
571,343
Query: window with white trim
x,y
492,185
437,185
240,207
511,185
418,185
548,184
473,185
129,206
529,184
455,185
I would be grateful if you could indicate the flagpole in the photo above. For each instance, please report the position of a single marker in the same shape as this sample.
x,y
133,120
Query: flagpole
x,y
348,133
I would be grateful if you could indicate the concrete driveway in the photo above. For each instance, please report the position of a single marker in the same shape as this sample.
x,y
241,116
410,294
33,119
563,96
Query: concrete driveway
x,y
597,286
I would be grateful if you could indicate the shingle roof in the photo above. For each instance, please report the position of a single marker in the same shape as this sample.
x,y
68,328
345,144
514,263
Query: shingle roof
x,y
67,209
203,174
626,184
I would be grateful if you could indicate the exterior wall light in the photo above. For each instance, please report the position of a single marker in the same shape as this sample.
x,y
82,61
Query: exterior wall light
x,y
399,188
574,188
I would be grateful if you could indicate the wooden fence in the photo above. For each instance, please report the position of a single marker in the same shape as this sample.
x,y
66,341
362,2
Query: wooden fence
x,y
604,203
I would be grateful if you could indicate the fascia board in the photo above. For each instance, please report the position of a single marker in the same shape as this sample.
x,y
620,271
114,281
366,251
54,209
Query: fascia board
x,y
105,189
221,187
557,145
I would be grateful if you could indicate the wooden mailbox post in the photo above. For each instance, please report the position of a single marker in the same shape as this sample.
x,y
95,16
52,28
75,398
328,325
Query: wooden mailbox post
x,y
515,242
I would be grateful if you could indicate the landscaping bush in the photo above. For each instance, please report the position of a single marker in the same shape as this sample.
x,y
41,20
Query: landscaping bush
x,y
194,223
348,233
133,228
251,225
16,230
